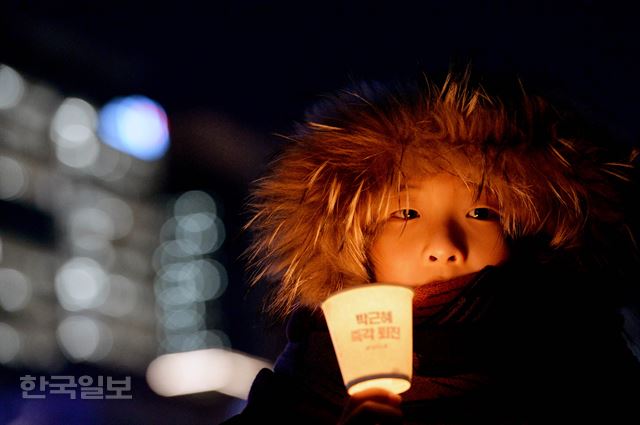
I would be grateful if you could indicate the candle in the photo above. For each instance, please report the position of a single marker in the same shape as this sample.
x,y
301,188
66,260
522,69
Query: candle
x,y
372,334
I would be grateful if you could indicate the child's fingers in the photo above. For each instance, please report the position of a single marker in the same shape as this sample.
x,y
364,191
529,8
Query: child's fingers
x,y
372,412
376,394
373,406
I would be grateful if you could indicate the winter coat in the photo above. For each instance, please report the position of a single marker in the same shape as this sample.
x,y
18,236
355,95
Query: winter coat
x,y
519,344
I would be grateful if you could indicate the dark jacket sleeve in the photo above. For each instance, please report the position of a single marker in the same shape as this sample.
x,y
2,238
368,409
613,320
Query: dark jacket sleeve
x,y
305,386
549,339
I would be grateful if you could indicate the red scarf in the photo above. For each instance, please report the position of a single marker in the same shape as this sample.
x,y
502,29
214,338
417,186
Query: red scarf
x,y
440,341
440,309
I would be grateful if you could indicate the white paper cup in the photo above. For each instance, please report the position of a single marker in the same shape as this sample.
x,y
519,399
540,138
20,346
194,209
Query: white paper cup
x,y
372,333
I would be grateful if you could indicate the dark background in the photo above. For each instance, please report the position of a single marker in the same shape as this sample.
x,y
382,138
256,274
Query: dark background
x,y
261,63
232,74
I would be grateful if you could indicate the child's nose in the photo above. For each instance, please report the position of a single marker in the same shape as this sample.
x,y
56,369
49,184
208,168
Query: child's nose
x,y
441,258
445,246
443,255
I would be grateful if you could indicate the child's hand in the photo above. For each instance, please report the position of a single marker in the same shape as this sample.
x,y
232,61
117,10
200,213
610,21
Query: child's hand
x,y
372,406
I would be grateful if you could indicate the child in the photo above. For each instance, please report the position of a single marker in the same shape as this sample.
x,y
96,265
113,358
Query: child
x,y
507,218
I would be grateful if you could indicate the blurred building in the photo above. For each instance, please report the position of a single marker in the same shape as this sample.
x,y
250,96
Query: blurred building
x,y
99,267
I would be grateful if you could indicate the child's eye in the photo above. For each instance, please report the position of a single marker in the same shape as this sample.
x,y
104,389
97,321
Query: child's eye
x,y
484,214
405,214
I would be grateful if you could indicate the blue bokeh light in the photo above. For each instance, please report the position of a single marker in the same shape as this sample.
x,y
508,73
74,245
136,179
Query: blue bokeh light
x,y
135,125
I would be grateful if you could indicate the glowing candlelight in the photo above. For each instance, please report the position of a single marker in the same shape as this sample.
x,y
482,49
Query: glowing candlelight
x,y
372,334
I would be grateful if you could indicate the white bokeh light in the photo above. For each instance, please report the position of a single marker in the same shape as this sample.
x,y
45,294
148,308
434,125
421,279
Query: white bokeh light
x,y
80,156
84,338
204,370
200,233
187,341
10,343
190,282
183,319
169,252
12,87
95,247
13,178
81,283
73,123
192,202
213,279
185,277
73,131
15,290
92,221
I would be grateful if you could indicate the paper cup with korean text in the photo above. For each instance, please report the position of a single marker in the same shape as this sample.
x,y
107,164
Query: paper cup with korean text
x,y
372,334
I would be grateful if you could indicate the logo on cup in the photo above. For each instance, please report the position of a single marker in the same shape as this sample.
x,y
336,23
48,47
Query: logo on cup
x,y
372,334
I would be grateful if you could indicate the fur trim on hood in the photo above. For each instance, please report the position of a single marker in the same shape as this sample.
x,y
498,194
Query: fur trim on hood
x,y
316,213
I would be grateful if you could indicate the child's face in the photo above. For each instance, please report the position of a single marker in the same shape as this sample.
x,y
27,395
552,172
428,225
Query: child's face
x,y
436,231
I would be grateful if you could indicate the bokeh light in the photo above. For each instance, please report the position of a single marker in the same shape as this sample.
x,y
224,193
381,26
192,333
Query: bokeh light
x,y
93,221
10,343
192,281
186,278
13,178
15,290
213,369
135,125
183,319
12,87
84,338
81,283
192,202
73,131
95,247
200,233
75,277
168,252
